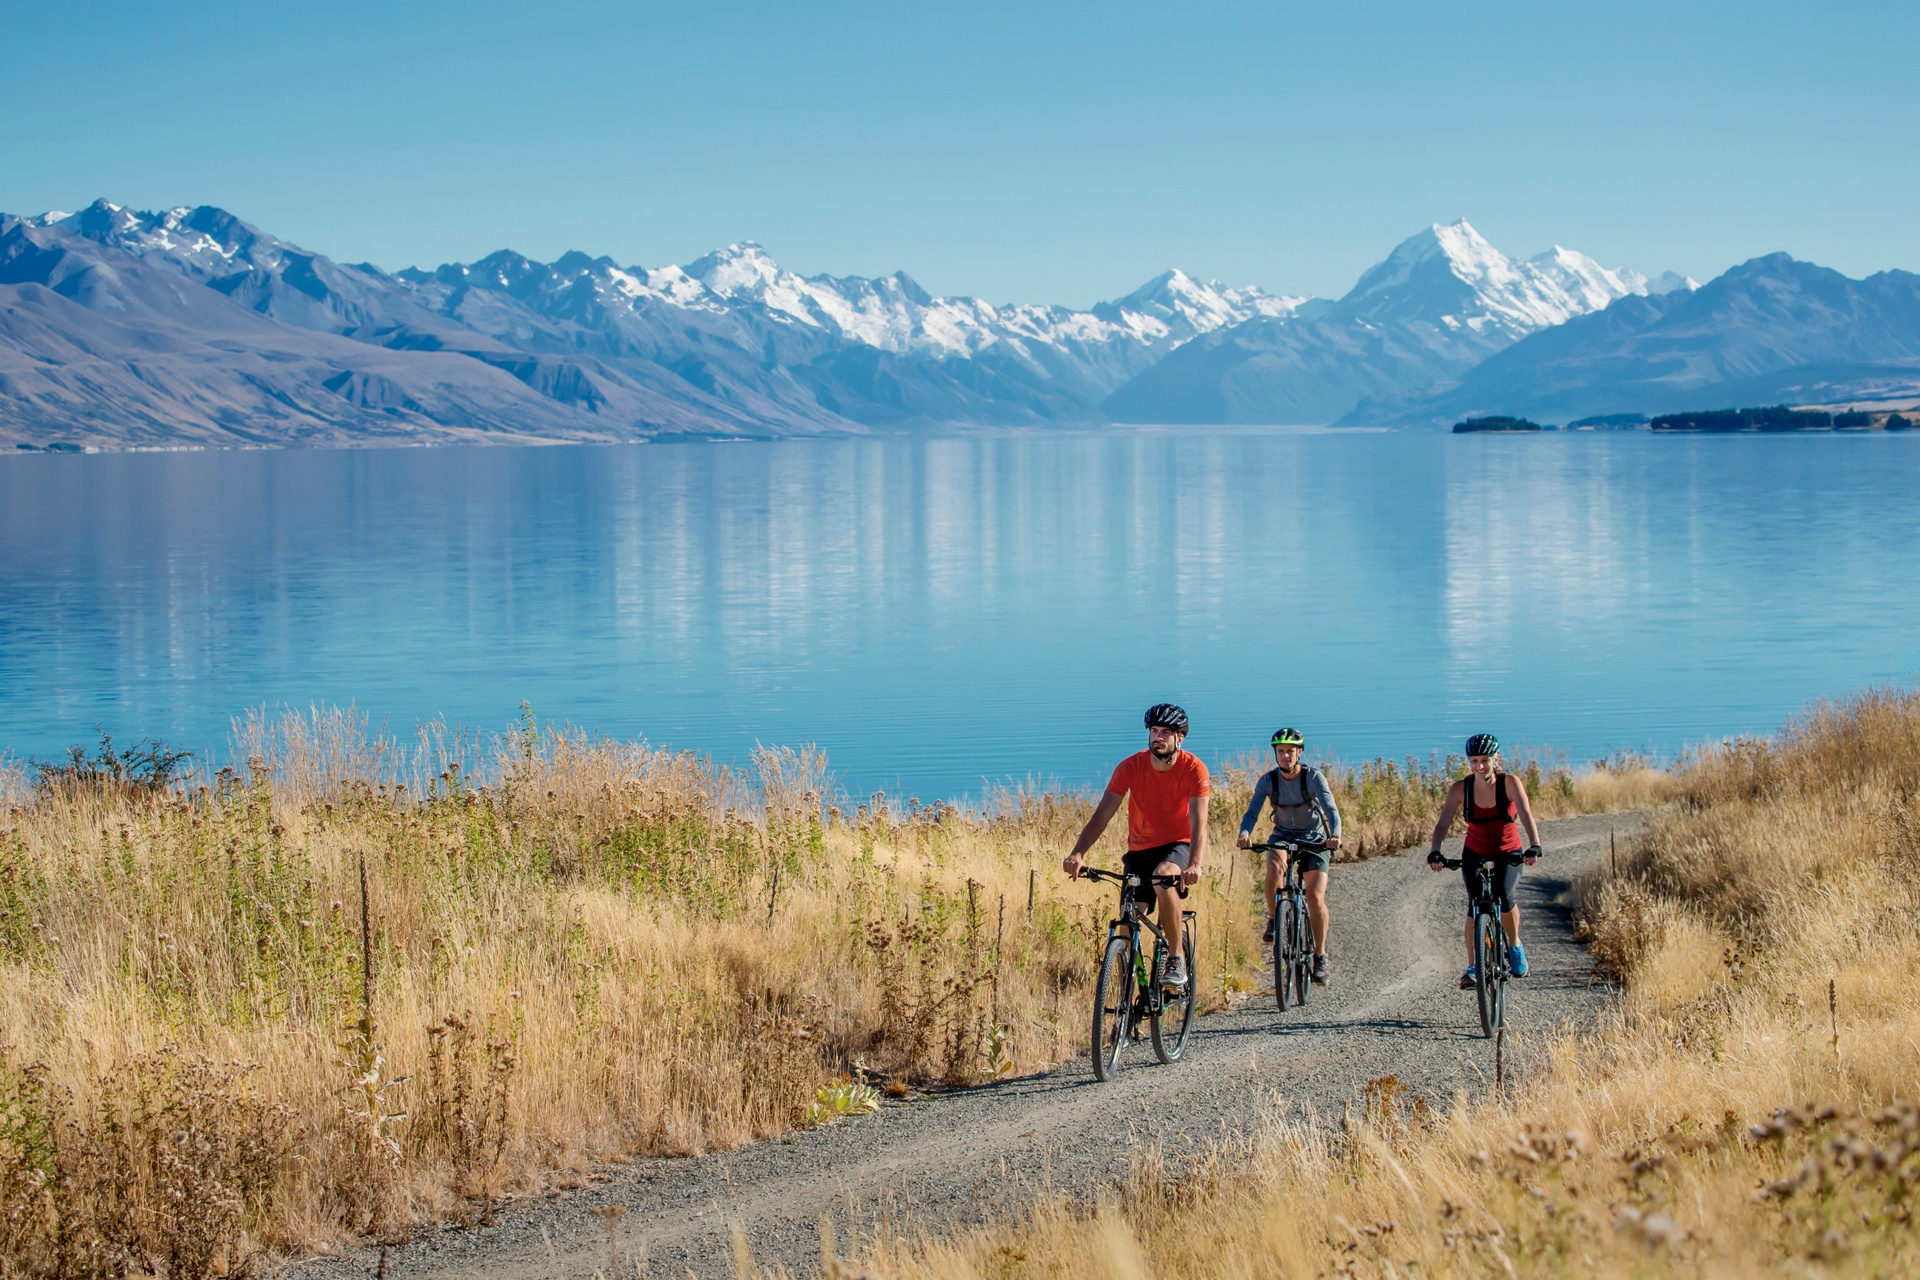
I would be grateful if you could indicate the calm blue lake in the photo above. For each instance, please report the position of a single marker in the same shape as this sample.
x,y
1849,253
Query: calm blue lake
x,y
938,612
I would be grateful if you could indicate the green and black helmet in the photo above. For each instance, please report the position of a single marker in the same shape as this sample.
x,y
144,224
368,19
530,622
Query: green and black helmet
x,y
1287,738
1483,744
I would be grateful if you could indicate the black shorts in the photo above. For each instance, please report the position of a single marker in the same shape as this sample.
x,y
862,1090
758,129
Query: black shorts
x,y
1506,878
1141,862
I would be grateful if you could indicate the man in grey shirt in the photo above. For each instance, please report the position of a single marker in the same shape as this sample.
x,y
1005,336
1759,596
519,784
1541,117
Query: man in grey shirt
x,y
1303,813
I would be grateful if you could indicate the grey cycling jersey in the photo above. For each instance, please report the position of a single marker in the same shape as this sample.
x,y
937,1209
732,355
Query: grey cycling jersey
x,y
1298,804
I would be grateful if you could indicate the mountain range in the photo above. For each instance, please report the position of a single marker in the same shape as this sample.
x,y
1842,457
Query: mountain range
x,y
190,326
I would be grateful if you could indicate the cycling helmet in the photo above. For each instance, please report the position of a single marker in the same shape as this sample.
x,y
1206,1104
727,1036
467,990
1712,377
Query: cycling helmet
x,y
1483,744
1287,738
1167,716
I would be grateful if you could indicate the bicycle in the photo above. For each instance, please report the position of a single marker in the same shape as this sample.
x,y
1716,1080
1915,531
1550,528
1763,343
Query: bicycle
x,y
1490,967
1128,991
1292,932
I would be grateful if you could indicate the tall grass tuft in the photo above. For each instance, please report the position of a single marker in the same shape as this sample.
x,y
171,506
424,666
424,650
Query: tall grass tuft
x,y
356,983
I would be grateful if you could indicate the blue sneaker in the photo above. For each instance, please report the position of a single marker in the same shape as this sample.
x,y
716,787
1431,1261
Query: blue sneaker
x,y
1517,960
1467,979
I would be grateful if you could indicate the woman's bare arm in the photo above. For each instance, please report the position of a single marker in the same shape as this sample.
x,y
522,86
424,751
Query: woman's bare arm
x,y
1521,803
1448,808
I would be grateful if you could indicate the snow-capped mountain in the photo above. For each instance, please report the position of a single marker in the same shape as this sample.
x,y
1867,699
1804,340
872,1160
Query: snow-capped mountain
x,y
1449,275
1440,303
1769,331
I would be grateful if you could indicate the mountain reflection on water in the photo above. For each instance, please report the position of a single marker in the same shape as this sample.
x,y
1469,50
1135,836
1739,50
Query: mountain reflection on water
x,y
936,613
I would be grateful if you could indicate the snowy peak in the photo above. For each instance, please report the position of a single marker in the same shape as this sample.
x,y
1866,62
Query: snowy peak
x,y
1449,275
739,270
1671,282
1588,284
1173,307
202,243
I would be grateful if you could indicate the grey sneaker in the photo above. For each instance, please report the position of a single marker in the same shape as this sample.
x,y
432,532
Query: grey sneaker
x,y
1272,924
1319,971
1176,973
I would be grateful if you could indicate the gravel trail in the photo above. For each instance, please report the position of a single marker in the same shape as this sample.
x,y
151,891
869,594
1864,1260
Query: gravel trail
x,y
967,1156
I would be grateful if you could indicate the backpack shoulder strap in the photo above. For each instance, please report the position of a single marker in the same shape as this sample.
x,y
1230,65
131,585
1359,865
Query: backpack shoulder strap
x,y
1308,775
1500,795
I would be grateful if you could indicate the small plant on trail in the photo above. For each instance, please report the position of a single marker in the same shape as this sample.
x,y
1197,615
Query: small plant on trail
x,y
841,1098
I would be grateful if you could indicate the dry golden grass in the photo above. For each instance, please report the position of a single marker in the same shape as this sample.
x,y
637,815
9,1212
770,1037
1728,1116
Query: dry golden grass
x,y
354,986
1750,1108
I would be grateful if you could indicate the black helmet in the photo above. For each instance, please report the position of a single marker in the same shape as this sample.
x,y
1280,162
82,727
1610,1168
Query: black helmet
x,y
1286,738
1483,744
1167,716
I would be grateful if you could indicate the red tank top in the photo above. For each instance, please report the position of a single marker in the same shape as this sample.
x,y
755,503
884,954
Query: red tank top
x,y
1495,830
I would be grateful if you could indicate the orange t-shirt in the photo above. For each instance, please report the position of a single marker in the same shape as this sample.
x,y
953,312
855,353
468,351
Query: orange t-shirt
x,y
1157,802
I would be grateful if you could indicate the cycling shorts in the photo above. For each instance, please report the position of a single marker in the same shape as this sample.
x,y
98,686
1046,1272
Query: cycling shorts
x,y
1310,859
1142,862
1506,878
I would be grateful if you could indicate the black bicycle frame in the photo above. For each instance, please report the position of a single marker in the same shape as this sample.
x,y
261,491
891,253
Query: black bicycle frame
x,y
1133,915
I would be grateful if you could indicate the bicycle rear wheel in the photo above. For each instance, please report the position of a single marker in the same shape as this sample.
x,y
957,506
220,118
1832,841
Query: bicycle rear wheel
x,y
1112,1007
1487,986
1284,944
1172,1020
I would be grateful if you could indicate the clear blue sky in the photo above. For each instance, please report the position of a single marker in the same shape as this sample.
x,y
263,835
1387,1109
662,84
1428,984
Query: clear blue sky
x,y
1057,152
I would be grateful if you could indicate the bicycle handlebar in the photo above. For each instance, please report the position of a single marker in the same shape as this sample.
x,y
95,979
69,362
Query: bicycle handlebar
x,y
1454,864
1163,882
1290,846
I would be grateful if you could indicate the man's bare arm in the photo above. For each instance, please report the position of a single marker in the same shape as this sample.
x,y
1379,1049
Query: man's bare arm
x,y
1103,813
1197,818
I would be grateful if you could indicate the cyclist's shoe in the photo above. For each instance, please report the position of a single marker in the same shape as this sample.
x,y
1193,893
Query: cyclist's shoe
x,y
1319,971
1517,960
1176,974
1273,922
1467,979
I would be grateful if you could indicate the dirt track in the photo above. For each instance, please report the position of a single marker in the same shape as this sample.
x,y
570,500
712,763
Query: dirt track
x,y
1392,1008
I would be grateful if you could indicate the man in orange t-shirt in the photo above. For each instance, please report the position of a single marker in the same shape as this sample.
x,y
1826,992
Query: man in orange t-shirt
x,y
1166,820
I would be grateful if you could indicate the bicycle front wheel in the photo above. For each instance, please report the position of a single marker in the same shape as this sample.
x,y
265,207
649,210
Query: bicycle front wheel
x,y
1112,1007
1173,1018
1284,948
1302,955
1486,980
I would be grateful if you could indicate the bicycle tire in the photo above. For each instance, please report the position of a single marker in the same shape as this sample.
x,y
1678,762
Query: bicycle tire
x,y
1302,955
1501,972
1112,1008
1283,958
1486,982
1170,1042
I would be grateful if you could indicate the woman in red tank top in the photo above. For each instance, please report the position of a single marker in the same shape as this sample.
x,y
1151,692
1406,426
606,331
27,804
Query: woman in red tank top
x,y
1496,809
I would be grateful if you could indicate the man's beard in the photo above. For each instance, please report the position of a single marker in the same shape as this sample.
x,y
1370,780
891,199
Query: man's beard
x,y
1166,754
